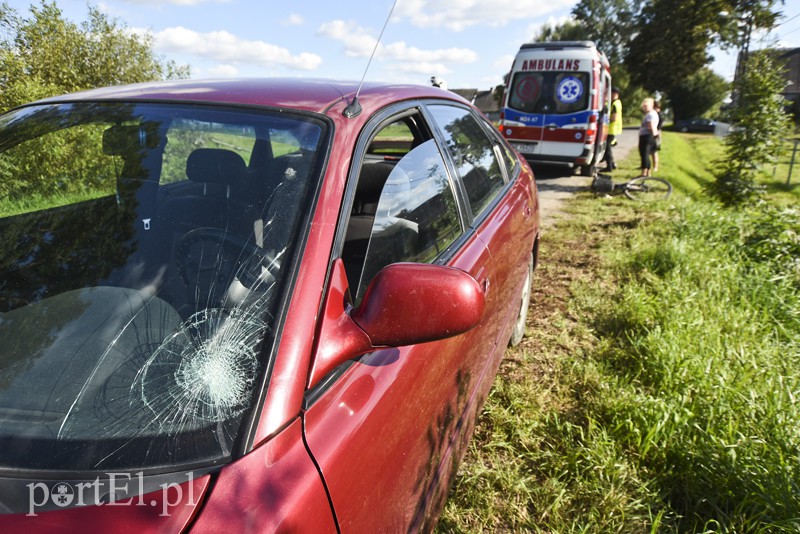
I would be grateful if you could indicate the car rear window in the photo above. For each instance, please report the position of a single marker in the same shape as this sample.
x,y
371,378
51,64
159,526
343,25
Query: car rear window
x,y
554,93
474,155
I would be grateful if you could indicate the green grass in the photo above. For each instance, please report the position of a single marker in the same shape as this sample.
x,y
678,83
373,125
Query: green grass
x,y
659,389
38,202
785,186
688,160
705,355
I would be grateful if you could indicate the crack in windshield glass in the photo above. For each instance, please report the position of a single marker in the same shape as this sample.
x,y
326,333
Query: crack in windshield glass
x,y
201,374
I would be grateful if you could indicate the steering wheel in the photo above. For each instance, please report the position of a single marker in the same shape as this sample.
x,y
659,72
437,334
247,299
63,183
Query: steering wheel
x,y
214,257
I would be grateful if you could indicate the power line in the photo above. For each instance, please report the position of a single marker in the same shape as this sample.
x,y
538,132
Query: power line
x,y
789,32
787,20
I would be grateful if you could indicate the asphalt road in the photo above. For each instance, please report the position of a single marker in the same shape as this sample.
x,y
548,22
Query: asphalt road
x,y
557,182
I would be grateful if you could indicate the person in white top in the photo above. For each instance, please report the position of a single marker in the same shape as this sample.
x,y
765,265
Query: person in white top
x,y
647,134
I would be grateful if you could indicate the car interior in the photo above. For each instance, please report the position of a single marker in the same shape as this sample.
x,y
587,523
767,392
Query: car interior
x,y
386,148
149,272
152,220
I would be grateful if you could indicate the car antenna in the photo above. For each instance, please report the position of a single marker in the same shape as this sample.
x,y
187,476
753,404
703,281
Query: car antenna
x,y
354,108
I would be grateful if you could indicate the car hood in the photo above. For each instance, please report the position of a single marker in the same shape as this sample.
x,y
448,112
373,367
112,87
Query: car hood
x,y
55,506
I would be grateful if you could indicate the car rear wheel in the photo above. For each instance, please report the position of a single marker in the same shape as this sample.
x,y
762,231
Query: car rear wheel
x,y
522,317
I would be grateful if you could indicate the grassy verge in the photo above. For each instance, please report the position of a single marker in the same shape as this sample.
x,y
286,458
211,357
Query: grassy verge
x,y
658,390
784,178
689,160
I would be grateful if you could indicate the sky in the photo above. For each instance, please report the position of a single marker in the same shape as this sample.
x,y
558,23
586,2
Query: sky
x,y
468,43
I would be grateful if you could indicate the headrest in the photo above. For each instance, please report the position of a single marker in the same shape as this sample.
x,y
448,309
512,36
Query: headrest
x,y
125,139
216,166
372,178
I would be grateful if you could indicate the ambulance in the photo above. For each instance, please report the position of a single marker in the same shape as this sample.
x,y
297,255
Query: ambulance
x,y
556,102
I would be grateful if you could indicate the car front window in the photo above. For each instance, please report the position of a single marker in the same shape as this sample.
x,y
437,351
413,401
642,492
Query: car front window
x,y
145,249
416,217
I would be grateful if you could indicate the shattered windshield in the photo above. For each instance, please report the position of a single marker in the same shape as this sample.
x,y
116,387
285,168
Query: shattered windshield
x,y
145,248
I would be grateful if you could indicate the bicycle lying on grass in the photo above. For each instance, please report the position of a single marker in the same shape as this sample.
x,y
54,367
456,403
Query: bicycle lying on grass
x,y
643,188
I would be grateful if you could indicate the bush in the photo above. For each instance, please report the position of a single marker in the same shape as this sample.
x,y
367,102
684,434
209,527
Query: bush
x,y
761,123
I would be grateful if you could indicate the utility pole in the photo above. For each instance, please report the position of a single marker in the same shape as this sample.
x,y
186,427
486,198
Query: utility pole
x,y
741,67
744,52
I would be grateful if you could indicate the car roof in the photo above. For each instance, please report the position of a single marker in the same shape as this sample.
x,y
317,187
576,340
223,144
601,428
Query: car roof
x,y
307,94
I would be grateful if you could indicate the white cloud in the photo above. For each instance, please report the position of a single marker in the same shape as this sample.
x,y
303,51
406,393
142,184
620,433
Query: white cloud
x,y
458,15
225,47
423,67
294,20
402,62
114,11
535,29
491,81
358,42
223,71
503,62
399,51
176,2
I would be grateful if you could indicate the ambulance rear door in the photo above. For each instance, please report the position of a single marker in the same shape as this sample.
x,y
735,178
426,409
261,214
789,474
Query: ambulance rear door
x,y
522,117
565,106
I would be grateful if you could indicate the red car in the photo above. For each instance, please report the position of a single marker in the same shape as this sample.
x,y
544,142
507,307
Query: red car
x,y
246,306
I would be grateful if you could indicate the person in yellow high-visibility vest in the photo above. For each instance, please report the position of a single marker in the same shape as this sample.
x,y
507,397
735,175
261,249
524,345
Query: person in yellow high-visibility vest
x,y
614,128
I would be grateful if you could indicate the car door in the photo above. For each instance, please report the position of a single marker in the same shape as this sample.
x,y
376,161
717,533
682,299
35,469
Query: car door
x,y
500,206
386,430
509,227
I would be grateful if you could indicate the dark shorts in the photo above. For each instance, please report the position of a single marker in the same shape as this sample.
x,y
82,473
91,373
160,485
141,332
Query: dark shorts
x,y
645,149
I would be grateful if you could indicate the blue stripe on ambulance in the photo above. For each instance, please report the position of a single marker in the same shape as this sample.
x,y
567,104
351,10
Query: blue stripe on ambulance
x,y
538,119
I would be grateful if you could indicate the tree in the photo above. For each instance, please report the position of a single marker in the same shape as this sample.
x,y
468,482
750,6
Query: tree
x,y
761,123
698,94
672,37
609,23
44,54
568,31
670,43
497,94
606,22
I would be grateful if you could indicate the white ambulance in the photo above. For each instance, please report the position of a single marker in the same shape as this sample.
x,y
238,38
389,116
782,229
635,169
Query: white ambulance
x,y
556,102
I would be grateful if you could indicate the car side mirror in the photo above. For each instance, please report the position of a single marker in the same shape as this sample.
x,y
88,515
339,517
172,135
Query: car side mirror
x,y
409,303
405,304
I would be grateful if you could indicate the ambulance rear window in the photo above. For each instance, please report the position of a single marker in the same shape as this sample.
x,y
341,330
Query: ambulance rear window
x,y
551,92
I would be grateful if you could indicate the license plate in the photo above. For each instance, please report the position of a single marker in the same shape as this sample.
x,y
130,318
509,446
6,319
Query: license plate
x,y
525,148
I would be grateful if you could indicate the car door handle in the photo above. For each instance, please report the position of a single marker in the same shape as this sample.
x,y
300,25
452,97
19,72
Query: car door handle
x,y
526,211
552,127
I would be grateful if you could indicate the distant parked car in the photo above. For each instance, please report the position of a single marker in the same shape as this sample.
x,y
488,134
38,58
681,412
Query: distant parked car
x,y
251,306
696,125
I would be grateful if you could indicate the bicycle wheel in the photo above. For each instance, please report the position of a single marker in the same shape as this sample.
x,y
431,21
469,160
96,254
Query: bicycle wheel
x,y
647,189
